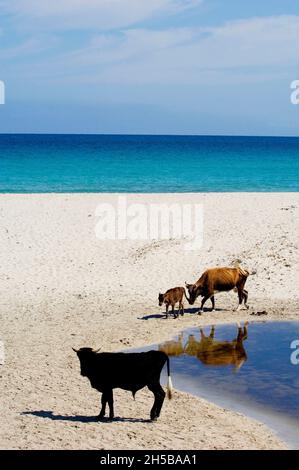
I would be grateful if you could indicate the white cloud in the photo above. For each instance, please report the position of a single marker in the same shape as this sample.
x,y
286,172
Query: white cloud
x,y
87,14
253,47
129,46
26,48
258,41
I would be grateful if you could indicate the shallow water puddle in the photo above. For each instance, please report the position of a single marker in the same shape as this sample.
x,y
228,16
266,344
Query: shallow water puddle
x,y
247,369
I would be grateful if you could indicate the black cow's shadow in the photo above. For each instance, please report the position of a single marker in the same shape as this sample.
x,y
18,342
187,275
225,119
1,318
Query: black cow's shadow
x,y
82,418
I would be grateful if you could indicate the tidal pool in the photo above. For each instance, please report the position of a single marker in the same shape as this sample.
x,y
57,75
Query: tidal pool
x,y
247,369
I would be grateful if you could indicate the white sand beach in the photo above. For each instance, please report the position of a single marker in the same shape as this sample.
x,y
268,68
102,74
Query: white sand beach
x,y
62,287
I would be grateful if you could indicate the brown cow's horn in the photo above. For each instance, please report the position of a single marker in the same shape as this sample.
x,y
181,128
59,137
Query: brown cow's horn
x,y
76,350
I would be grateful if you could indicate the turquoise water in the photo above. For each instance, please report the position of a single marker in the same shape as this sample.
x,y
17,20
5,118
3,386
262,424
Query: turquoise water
x,y
98,163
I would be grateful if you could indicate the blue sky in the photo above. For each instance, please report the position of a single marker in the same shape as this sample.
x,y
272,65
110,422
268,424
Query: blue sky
x,y
149,66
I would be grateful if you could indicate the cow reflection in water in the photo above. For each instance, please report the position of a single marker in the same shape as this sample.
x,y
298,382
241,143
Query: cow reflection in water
x,y
173,348
210,351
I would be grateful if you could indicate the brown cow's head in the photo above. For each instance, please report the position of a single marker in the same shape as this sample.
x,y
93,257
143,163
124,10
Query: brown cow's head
x,y
161,299
194,291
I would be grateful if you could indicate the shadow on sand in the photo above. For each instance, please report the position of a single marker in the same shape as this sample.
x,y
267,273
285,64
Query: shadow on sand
x,y
82,418
193,310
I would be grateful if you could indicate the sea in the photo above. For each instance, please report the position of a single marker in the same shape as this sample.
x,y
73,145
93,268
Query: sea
x,y
147,164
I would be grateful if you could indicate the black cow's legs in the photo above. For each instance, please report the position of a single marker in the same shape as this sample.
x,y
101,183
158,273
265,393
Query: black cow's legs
x,y
107,396
110,403
103,410
159,399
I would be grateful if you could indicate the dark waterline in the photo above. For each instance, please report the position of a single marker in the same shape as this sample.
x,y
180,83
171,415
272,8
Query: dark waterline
x,y
258,379
126,163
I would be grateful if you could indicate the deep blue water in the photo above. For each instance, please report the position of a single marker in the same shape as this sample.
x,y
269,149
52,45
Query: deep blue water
x,y
98,163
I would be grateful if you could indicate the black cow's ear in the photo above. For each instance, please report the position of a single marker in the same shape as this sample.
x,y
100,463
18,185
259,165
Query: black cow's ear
x,y
76,350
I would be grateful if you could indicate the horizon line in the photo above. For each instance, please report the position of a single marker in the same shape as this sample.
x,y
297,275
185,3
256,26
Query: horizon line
x,y
146,135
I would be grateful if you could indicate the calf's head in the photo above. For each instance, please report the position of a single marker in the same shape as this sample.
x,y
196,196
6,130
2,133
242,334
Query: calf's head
x,y
161,299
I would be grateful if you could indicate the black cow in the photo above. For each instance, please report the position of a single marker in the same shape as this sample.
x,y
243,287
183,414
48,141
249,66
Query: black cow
x,y
129,371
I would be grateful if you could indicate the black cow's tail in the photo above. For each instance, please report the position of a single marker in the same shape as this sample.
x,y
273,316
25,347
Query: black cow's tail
x,y
169,382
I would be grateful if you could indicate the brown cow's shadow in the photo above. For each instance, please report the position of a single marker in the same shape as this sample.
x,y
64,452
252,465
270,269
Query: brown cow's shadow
x,y
193,310
82,418
205,310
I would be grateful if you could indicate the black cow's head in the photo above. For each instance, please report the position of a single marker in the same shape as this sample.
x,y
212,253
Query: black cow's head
x,y
194,291
86,356
161,299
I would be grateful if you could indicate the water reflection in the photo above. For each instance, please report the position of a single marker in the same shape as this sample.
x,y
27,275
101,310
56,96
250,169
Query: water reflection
x,y
204,362
210,351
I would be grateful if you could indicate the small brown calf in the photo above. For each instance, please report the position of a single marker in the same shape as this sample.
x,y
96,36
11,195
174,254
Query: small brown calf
x,y
171,298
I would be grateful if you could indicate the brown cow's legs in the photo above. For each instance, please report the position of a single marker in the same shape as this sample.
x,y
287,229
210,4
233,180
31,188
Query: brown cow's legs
x,y
167,307
202,304
245,297
240,295
213,303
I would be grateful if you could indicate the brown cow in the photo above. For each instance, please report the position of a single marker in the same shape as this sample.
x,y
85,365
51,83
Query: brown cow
x,y
172,297
215,280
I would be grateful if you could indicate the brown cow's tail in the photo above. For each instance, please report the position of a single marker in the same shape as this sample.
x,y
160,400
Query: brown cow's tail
x,y
245,272
169,382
